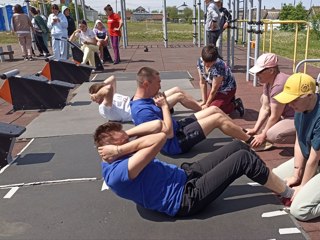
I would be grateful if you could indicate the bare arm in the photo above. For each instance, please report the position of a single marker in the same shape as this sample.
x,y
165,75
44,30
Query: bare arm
x,y
216,83
144,148
263,115
203,88
73,35
299,165
111,81
276,112
120,25
145,129
311,166
167,126
149,146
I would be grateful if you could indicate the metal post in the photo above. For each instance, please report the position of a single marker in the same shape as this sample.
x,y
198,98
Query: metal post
x,y
76,10
194,22
124,29
205,32
199,23
233,35
249,40
228,37
244,24
236,16
164,22
84,9
257,46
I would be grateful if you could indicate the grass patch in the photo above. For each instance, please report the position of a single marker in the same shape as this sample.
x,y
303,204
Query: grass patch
x,y
144,32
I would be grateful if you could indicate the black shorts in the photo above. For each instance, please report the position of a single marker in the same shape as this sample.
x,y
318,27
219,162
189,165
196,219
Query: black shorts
x,y
189,133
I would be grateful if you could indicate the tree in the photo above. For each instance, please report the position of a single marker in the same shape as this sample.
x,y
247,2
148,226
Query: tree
x,y
290,12
187,14
172,12
315,21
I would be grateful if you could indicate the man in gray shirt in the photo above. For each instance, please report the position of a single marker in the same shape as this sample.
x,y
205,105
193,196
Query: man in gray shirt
x,y
212,22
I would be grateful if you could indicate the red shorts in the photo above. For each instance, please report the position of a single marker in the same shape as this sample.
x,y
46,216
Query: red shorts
x,y
224,101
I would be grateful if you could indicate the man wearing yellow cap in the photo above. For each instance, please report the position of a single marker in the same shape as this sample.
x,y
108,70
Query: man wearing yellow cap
x,y
302,171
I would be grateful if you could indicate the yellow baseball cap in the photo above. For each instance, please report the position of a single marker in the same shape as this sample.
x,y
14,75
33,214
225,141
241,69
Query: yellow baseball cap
x,y
297,84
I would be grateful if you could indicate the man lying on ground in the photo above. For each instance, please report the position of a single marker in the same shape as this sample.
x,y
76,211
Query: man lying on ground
x,y
131,170
115,107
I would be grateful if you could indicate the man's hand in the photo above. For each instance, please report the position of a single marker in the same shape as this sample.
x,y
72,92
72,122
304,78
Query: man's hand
x,y
160,100
108,152
251,131
293,181
258,140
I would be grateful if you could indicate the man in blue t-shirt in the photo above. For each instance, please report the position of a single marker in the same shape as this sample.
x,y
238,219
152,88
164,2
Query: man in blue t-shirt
x,y
183,134
131,170
302,171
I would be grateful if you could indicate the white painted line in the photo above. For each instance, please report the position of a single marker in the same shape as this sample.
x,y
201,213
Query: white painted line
x,y
289,230
254,184
47,182
11,192
273,213
94,77
104,186
10,163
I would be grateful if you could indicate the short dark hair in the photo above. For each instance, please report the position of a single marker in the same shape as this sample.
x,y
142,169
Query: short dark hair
x,y
94,88
104,131
209,53
17,9
84,22
34,11
55,7
146,73
108,8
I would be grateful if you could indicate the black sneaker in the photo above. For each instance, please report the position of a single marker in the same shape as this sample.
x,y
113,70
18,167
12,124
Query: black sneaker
x,y
239,106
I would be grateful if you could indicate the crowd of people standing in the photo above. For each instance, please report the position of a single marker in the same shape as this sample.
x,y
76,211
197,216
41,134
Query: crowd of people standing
x,y
61,27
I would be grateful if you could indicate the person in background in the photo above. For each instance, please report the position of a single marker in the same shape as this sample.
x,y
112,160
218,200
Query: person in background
x,y
71,25
217,76
277,117
212,22
45,36
132,171
40,28
102,37
302,172
88,41
225,19
114,28
21,25
58,25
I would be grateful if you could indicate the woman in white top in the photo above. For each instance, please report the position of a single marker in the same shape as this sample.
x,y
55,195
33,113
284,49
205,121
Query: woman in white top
x,y
116,107
88,41
58,25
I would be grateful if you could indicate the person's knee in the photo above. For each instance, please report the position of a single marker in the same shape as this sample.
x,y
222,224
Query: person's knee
x,y
215,109
176,90
300,212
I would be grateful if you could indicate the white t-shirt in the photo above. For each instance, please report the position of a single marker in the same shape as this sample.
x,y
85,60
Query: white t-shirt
x,y
86,36
119,111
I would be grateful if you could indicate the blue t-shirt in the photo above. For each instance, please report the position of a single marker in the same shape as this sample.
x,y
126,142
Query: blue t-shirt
x,y
145,110
218,69
308,129
159,186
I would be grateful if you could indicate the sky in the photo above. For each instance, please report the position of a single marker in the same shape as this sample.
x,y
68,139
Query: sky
x,y
151,5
